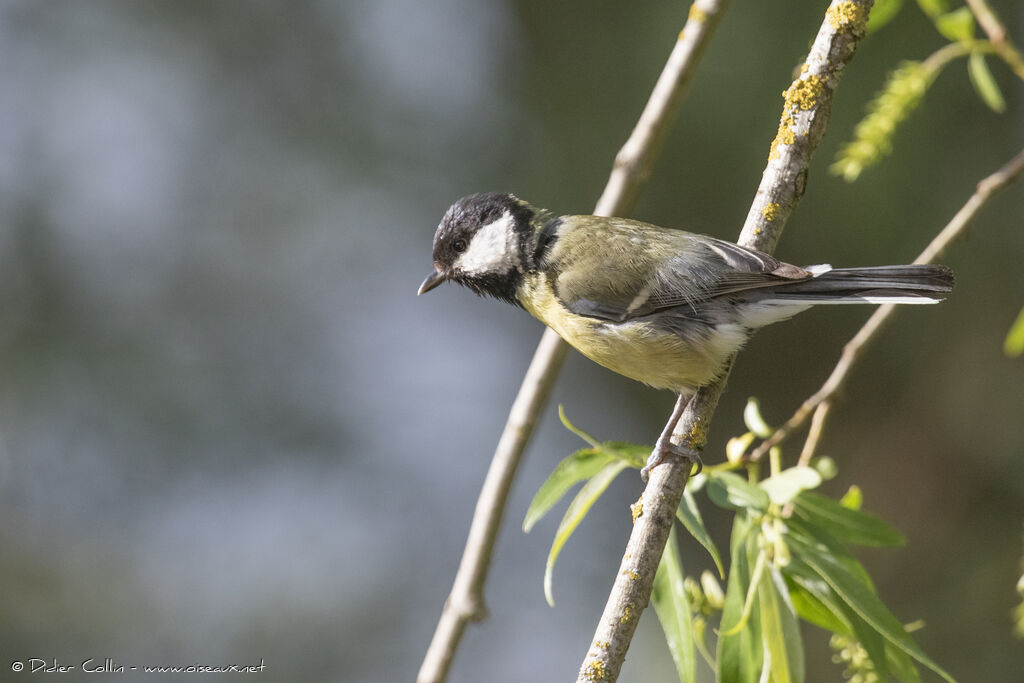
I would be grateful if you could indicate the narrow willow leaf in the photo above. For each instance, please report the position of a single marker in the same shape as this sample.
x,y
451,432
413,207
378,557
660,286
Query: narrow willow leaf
x,y
814,611
882,13
732,491
749,599
1014,344
815,536
862,600
578,508
956,26
689,515
784,486
739,657
581,465
901,665
594,443
844,621
985,83
673,610
634,455
874,645
850,526
779,628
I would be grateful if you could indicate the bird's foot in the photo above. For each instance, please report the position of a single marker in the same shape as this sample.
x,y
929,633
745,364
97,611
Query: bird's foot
x,y
665,451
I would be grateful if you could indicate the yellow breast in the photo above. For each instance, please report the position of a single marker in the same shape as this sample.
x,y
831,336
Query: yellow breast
x,y
636,349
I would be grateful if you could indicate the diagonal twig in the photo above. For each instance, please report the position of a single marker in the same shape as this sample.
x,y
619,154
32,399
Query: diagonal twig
x,y
821,401
804,118
632,167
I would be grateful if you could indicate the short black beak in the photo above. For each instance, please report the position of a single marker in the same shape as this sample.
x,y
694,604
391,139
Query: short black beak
x,y
433,280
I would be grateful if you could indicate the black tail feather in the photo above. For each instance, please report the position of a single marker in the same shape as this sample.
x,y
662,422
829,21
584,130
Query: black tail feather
x,y
929,282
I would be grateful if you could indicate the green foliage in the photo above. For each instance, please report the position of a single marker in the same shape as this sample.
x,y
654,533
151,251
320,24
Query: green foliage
x,y
957,25
689,514
899,97
789,560
672,605
849,651
906,85
597,466
1014,344
882,13
984,83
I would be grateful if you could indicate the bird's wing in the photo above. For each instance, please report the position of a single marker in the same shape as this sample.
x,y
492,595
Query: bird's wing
x,y
628,276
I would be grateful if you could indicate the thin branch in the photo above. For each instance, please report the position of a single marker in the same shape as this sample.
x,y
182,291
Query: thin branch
x,y
804,119
996,32
632,167
821,400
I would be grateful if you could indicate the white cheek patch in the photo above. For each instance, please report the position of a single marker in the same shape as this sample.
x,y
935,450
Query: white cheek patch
x,y
492,249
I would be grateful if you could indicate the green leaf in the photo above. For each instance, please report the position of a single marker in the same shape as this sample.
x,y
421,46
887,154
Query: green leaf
x,y
785,485
901,665
934,8
749,600
838,617
850,526
582,464
578,508
673,610
634,455
818,537
739,656
853,498
1014,344
594,443
754,421
984,83
957,25
861,598
882,13
812,609
733,492
780,629
689,515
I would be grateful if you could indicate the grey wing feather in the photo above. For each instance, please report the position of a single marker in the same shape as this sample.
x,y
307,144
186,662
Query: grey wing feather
x,y
700,269
710,269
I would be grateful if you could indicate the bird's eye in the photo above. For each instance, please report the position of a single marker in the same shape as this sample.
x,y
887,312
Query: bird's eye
x,y
459,246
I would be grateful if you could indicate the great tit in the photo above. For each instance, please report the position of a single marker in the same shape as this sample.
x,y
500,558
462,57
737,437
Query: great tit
x,y
661,306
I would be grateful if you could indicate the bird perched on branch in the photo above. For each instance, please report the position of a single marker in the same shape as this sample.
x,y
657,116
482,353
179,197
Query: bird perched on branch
x,y
664,307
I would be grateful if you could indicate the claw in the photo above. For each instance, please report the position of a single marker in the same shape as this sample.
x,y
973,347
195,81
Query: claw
x,y
663,451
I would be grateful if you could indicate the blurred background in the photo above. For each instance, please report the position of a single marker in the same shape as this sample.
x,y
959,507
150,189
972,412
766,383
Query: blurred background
x,y
231,433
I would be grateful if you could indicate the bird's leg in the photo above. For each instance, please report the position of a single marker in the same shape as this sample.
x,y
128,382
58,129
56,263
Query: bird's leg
x,y
663,447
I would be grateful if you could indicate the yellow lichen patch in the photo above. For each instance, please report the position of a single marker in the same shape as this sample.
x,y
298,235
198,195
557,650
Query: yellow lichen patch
x,y
847,16
805,93
631,574
771,211
627,613
595,671
785,136
698,435
696,13
636,509
601,644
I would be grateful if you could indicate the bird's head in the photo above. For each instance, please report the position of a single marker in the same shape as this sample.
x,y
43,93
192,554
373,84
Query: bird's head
x,y
484,242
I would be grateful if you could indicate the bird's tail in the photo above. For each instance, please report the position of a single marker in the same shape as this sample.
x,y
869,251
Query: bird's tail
x,y
914,284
